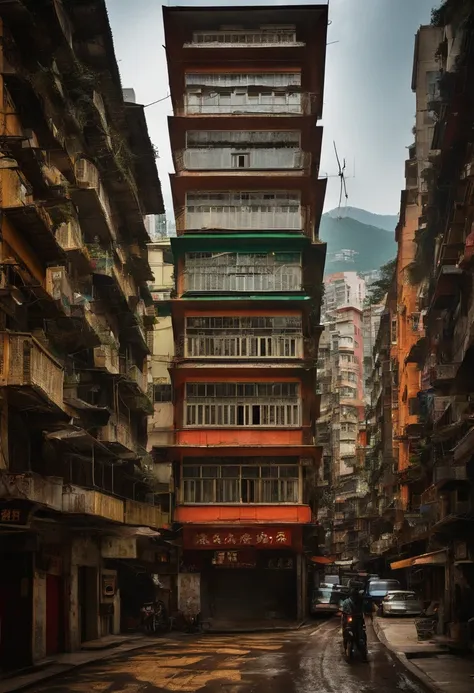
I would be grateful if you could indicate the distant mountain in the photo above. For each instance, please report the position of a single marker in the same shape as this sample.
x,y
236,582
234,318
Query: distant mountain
x,y
353,246
382,221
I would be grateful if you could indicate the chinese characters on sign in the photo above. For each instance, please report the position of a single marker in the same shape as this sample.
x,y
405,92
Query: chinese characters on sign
x,y
258,538
280,564
233,559
14,515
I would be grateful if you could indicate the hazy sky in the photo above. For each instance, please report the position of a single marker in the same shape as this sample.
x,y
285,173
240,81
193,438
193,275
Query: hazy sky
x,y
368,104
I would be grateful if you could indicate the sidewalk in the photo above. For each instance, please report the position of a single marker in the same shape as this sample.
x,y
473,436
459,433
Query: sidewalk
x,y
92,651
431,665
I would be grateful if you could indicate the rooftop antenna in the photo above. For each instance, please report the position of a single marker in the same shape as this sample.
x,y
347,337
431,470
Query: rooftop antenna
x,y
342,177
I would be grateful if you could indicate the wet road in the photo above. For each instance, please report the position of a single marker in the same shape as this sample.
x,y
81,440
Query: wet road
x,y
308,661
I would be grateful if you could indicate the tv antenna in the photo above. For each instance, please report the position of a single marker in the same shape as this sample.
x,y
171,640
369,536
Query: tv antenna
x,y
342,177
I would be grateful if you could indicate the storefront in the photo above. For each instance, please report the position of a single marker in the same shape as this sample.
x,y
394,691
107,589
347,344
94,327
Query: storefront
x,y
242,575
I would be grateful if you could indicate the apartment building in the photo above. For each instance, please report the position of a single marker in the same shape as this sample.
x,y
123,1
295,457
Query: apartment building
x,y
341,384
247,90
423,528
77,176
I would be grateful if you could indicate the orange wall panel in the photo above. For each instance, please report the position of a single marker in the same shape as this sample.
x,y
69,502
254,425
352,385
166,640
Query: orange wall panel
x,y
239,436
265,514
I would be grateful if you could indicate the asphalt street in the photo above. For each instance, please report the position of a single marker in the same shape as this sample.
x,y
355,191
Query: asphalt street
x,y
305,661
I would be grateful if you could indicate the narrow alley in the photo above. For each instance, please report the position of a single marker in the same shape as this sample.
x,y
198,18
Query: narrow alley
x,y
304,661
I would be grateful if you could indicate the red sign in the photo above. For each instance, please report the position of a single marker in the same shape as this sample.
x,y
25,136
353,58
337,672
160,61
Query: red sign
x,y
260,538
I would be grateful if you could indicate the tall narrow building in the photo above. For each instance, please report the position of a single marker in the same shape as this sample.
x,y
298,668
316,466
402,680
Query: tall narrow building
x,y
247,91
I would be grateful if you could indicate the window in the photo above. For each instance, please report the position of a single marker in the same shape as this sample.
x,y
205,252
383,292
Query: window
x,y
234,483
162,393
242,404
240,160
393,331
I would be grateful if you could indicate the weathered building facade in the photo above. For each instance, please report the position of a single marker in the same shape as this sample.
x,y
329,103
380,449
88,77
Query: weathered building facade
x,y
420,449
77,176
248,267
341,385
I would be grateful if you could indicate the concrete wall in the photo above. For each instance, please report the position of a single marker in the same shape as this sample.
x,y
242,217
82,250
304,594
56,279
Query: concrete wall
x,y
39,616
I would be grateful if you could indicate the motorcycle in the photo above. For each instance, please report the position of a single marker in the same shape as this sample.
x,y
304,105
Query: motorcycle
x,y
354,636
154,617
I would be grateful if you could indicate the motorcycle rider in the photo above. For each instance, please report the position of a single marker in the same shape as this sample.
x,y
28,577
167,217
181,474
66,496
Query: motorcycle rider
x,y
353,606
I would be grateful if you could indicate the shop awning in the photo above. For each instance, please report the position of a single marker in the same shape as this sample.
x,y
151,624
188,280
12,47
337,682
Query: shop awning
x,y
322,560
398,565
433,558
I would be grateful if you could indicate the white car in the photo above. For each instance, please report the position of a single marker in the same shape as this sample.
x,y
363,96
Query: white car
x,y
401,603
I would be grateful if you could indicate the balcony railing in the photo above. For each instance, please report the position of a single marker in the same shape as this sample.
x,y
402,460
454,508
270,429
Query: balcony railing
x,y
231,412
443,373
103,263
143,514
243,346
238,217
249,278
25,363
43,490
82,501
231,159
117,432
132,372
441,474
59,287
106,357
93,201
439,406
277,103
243,39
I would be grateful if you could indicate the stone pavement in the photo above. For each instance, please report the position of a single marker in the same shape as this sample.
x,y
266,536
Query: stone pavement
x,y
92,651
434,667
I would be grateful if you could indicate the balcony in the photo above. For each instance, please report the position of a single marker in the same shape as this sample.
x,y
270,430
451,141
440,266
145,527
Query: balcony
x,y
279,38
231,159
35,225
106,357
439,405
59,287
136,392
442,475
443,374
118,435
224,346
93,202
25,364
111,275
70,239
145,515
272,211
136,376
81,501
242,272
383,544
220,102
44,490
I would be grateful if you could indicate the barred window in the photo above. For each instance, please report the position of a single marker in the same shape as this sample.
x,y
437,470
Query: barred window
x,y
162,393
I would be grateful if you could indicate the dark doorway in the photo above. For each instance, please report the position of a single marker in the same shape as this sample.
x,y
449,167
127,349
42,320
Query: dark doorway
x,y
16,601
88,603
54,615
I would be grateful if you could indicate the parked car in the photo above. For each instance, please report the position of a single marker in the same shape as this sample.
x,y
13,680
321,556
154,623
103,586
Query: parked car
x,y
401,602
326,600
376,590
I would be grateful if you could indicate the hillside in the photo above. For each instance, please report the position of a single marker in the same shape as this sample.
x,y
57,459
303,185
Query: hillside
x,y
381,221
366,247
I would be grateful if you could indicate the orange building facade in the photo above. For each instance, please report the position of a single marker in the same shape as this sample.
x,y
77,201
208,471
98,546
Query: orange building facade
x,y
248,267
